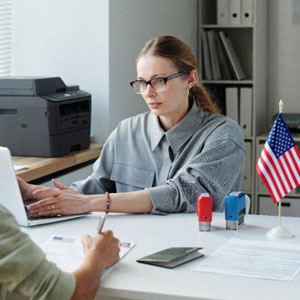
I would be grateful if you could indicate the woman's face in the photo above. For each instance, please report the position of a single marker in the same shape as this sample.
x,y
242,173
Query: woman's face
x,y
172,104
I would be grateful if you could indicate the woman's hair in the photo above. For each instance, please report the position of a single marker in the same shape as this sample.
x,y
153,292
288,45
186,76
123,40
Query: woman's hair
x,y
183,58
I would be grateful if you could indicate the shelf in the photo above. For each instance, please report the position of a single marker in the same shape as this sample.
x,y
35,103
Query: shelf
x,y
228,82
217,26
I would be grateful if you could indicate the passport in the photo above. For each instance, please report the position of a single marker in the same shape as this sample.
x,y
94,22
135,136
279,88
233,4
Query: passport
x,y
172,257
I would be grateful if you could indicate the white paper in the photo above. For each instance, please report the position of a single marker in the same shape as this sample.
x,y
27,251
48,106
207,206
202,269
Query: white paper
x,y
19,168
259,259
67,252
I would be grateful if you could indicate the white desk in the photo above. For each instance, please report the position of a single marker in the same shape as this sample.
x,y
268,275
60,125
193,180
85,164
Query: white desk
x,y
132,280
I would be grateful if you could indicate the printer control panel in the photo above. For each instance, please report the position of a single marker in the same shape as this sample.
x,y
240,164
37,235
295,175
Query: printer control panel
x,y
66,95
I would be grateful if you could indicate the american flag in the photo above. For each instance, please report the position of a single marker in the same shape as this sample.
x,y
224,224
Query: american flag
x,y
279,162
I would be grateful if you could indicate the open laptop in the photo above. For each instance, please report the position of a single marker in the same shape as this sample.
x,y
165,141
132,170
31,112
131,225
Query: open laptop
x,y
10,195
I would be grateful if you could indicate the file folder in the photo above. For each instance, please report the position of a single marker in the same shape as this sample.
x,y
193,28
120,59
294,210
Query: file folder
x,y
234,12
246,180
215,64
246,12
231,54
223,12
246,110
206,58
232,103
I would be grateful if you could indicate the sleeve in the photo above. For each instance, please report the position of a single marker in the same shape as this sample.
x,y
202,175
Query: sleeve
x,y
217,170
99,181
24,271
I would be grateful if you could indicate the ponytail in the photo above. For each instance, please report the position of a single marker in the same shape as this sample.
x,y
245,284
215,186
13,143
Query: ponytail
x,y
204,99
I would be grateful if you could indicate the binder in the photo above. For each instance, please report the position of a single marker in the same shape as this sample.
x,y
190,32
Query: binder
x,y
226,70
206,59
232,103
246,180
234,12
223,12
215,64
246,110
246,12
231,54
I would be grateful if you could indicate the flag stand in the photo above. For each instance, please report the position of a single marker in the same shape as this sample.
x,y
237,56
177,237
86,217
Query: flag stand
x,y
279,232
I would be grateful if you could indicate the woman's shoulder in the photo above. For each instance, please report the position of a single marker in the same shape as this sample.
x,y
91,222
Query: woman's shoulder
x,y
223,127
134,121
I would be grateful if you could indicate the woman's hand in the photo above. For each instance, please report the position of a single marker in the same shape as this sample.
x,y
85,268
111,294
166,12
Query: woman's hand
x,y
26,189
58,202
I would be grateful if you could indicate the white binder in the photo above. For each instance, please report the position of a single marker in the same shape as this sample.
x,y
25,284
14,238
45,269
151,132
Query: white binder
x,y
232,103
246,12
246,180
223,12
234,12
246,110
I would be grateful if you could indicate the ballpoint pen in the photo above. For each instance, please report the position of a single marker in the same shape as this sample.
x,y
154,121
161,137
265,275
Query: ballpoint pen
x,y
101,223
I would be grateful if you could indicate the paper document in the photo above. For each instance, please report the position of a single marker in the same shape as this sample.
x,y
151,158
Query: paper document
x,y
19,168
259,259
67,252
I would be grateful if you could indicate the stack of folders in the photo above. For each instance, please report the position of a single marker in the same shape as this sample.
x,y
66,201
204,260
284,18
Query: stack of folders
x,y
239,107
235,12
220,61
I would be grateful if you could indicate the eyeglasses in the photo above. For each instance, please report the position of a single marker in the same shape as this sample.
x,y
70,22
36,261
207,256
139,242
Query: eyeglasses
x,y
159,84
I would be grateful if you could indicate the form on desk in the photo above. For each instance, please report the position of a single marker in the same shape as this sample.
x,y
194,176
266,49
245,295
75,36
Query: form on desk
x,y
67,252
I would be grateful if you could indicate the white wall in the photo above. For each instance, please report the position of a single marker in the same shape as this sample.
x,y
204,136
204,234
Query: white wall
x,y
283,58
94,43
66,38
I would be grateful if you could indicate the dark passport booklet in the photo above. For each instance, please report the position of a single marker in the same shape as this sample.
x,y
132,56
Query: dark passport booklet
x,y
172,257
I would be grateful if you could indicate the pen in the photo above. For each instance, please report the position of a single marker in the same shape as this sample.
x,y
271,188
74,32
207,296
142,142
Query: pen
x,y
101,223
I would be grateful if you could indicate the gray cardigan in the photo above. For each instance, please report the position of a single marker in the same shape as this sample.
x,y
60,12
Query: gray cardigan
x,y
202,153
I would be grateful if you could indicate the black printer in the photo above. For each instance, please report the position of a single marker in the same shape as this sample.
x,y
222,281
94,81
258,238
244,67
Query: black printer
x,y
42,116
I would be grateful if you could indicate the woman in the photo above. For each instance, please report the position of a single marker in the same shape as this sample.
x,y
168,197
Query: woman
x,y
161,160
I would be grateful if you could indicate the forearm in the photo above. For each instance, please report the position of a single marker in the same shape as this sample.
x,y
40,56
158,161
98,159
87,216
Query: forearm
x,y
131,202
87,281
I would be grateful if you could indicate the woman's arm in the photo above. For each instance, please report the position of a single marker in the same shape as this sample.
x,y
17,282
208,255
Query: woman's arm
x,y
64,202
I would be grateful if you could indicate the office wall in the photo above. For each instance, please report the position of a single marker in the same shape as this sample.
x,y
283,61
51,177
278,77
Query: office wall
x,y
132,23
283,58
94,43
66,38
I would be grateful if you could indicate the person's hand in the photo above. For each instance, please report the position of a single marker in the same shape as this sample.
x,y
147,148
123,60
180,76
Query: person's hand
x,y
102,248
26,189
101,251
62,187
58,202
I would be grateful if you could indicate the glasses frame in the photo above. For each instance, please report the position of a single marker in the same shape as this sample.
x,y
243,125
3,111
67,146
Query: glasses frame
x,y
165,79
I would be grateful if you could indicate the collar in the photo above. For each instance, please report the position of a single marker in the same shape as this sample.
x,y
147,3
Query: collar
x,y
180,133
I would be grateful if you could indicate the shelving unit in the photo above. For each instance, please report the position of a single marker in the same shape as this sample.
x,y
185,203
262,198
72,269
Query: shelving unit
x,y
290,203
250,44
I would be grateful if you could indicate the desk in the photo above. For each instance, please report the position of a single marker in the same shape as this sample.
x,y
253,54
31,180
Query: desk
x,y
132,280
40,166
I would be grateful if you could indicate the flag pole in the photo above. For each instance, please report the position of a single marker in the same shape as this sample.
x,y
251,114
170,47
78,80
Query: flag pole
x,y
279,206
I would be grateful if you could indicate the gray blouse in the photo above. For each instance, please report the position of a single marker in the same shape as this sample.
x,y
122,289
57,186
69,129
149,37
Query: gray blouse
x,y
203,153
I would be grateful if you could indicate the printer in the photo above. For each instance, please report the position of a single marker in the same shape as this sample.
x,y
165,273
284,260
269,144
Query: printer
x,y
41,116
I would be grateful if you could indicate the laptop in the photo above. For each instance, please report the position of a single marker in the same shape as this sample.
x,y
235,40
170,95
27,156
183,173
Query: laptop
x,y
10,195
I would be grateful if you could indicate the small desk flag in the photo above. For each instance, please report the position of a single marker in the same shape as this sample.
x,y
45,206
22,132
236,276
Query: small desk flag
x,y
279,162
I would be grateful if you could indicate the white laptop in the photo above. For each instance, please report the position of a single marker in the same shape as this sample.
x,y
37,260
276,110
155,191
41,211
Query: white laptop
x,y
10,195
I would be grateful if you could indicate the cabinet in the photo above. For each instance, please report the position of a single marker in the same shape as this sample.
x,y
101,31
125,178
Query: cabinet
x,y
250,45
265,206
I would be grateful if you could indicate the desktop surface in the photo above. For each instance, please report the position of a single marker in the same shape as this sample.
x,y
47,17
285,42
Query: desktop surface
x,y
151,233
